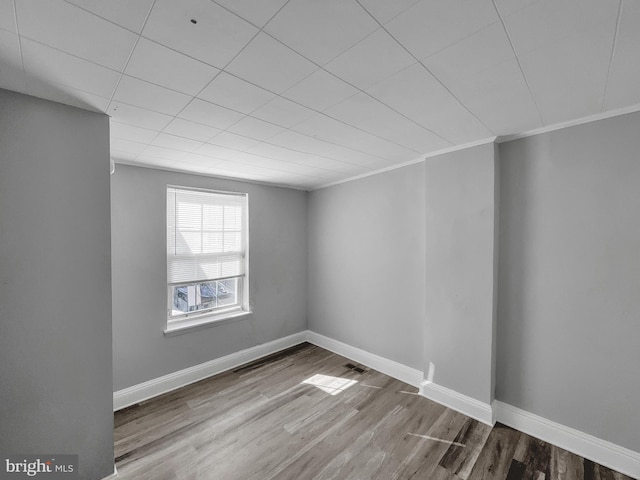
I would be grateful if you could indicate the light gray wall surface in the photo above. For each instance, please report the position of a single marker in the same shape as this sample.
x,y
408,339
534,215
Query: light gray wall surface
x,y
569,303
277,270
459,291
55,285
366,263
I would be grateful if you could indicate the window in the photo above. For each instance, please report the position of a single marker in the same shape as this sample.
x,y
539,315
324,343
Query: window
x,y
206,256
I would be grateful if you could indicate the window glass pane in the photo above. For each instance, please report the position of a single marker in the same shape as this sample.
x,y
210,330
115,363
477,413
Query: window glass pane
x,y
204,297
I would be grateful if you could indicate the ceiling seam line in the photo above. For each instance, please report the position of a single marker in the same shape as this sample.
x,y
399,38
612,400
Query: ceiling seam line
x,y
24,70
320,67
515,53
426,68
612,56
144,24
220,70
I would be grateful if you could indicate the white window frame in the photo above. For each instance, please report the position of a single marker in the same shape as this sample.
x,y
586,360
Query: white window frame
x,y
182,323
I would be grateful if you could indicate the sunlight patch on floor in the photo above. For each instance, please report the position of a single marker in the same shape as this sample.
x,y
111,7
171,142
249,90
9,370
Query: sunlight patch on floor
x,y
427,437
331,385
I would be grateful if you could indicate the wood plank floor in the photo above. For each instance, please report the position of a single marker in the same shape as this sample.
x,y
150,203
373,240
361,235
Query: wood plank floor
x,y
261,421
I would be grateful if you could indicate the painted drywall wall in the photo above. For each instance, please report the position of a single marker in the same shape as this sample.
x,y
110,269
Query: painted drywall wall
x,y
366,263
55,285
277,272
569,308
460,272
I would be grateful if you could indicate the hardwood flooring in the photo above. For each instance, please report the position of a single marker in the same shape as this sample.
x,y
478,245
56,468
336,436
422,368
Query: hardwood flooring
x,y
284,417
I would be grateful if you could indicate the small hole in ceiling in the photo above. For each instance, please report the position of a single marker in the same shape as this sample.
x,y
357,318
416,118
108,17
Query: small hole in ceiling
x,y
194,21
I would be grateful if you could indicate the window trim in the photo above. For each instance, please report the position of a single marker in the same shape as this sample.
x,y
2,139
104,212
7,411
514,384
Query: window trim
x,y
196,320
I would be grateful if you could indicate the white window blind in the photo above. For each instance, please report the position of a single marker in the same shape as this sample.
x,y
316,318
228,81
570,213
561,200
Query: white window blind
x,y
206,235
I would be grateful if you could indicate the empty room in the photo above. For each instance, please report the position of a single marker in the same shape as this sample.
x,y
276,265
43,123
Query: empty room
x,y
320,239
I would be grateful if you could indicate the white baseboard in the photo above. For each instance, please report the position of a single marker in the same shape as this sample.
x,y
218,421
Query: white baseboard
x,y
450,398
152,388
600,451
394,369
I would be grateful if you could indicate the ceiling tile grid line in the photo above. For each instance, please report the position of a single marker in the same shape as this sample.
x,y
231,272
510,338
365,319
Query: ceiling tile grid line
x,y
226,130
354,126
612,57
322,91
130,55
148,13
526,80
15,19
320,67
102,17
151,143
423,66
259,30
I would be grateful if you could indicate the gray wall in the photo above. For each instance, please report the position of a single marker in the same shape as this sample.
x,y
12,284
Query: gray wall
x,y
366,263
55,294
459,293
569,303
278,256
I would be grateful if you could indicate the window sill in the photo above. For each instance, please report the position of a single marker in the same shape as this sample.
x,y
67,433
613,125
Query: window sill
x,y
204,321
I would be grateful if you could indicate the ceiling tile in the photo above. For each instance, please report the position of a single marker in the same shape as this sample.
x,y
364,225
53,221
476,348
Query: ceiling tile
x,y
500,97
254,128
236,94
320,90
478,52
187,129
127,146
195,158
417,94
176,143
12,77
66,95
161,152
139,117
233,141
283,112
354,157
129,14
152,97
482,72
321,30
7,16
335,131
257,12
372,60
63,26
548,21
48,65
278,153
207,113
509,7
384,10
302,143
268,63
217,151
129,132
217,37
330,164
160,65
430,26
367,113
623,88
568,77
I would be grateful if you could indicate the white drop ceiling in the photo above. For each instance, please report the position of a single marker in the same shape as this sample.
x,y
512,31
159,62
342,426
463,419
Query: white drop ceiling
x,y
305,93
